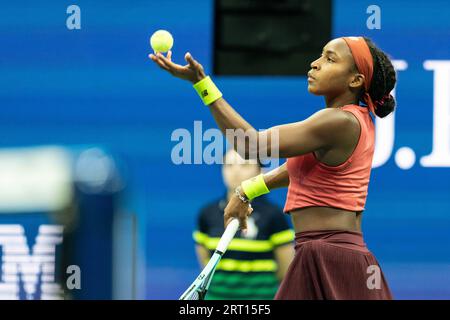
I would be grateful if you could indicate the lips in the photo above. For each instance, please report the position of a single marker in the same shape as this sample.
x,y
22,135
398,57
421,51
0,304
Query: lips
x,y
310,77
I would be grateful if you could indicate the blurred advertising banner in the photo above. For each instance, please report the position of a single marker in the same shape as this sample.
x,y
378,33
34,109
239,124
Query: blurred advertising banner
x,y
57,224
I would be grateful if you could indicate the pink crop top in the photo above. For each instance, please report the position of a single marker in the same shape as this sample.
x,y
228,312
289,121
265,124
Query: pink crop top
x,y
313,183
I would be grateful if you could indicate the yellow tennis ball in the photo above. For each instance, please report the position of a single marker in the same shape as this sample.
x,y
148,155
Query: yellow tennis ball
x,y
161,41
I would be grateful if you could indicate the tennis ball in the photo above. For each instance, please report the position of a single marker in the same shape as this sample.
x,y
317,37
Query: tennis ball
x,y
161,41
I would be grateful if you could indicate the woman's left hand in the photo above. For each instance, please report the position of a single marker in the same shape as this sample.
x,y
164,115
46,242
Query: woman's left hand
x,y
238,209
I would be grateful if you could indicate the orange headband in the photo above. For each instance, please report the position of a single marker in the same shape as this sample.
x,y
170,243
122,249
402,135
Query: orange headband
x,y
364,62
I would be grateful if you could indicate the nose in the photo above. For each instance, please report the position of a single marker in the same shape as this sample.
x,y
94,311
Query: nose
x,y
315,64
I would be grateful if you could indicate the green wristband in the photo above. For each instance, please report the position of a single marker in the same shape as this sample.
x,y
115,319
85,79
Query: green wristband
x,y
207,90
254,187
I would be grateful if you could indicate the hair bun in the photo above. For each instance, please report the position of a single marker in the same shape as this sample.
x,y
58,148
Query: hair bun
x,y
384,106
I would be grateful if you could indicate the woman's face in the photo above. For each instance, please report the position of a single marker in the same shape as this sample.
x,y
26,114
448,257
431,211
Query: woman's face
x,y
332,73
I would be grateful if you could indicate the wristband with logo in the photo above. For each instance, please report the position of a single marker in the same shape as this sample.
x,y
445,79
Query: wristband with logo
x,y
207,90
254,187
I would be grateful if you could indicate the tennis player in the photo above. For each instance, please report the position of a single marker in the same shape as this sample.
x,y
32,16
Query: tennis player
x,y
327,171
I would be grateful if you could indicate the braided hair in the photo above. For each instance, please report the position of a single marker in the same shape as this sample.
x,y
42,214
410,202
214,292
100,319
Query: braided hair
x,y
383,81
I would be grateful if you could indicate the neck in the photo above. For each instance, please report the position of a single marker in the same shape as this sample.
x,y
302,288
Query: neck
x,y
340,101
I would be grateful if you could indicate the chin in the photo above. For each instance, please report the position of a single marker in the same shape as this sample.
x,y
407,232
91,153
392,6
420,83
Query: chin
x,y
313,90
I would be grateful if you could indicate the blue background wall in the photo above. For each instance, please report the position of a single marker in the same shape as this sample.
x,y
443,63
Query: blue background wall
x,y
97,86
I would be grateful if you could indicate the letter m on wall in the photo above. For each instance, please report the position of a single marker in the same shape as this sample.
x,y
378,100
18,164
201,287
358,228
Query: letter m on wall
x,y
29,271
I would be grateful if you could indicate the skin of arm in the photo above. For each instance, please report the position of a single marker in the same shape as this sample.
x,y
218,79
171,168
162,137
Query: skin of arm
x,y
320,131
277,178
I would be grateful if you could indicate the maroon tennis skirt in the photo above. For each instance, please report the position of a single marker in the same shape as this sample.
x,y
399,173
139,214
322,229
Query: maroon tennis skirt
x,y
333,265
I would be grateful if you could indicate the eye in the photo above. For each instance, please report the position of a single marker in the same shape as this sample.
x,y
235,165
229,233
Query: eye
x,y
327,57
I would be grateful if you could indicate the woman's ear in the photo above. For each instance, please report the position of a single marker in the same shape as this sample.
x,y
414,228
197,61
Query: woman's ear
x,y
357,82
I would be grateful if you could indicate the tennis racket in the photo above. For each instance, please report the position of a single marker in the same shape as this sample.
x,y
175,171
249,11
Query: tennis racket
x,y
197,290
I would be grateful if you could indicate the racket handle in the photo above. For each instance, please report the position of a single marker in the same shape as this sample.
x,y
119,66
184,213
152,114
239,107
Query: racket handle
x,y
228,235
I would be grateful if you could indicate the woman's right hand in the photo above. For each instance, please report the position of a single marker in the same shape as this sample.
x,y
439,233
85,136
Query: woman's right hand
x,y
192,71
236,208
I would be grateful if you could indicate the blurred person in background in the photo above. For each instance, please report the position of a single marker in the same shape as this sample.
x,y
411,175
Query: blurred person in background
x,y
257,260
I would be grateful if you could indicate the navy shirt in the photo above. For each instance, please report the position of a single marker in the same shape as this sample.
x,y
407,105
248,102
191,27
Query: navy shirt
x,y
248,268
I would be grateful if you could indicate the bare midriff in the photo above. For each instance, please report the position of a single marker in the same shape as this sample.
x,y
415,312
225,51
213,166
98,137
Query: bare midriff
x,y
325,218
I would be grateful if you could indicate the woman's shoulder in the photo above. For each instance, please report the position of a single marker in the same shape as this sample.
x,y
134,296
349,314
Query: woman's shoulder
x,y
336,118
